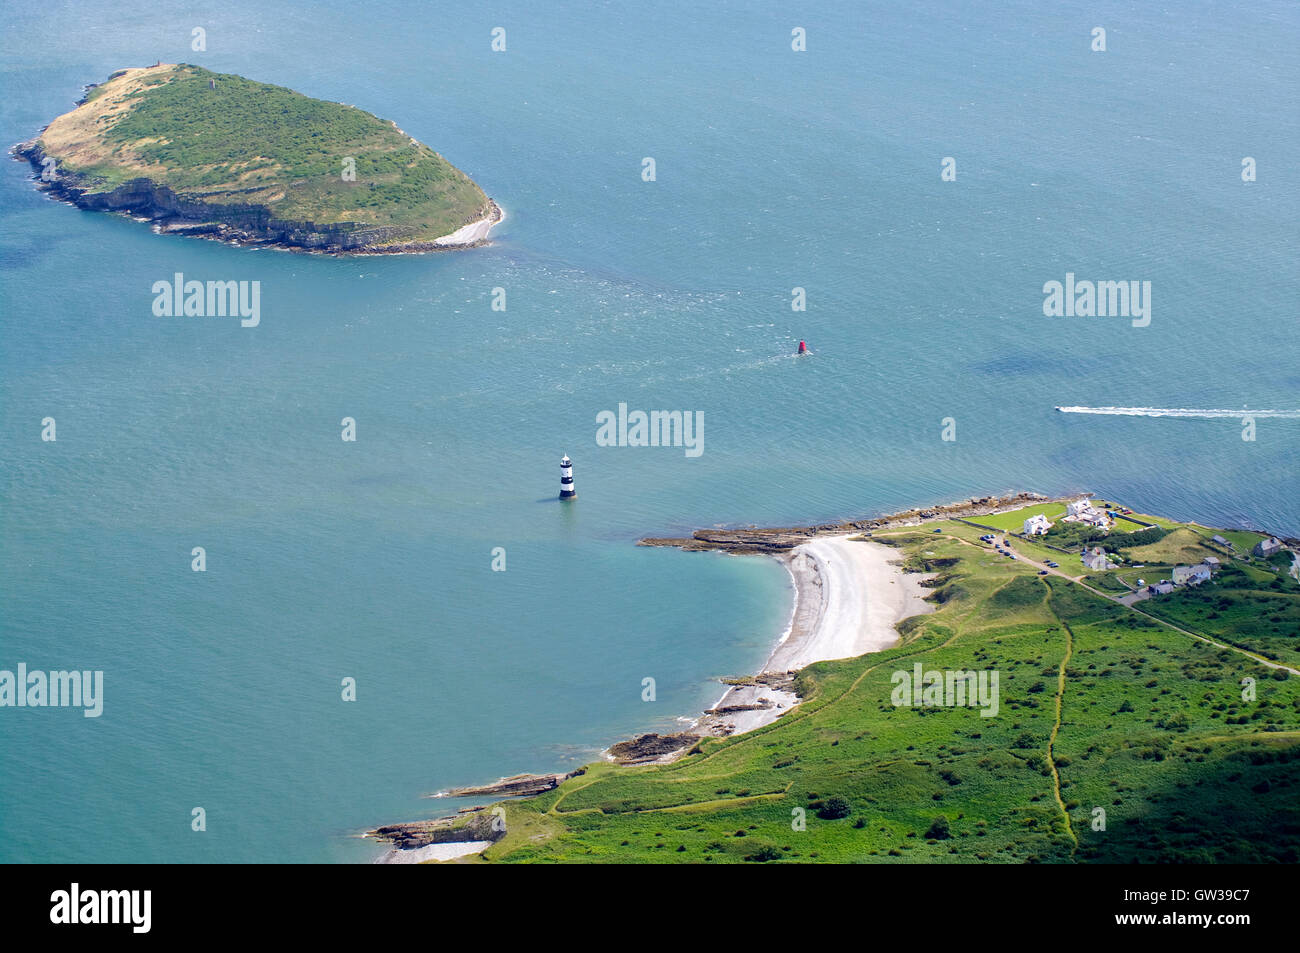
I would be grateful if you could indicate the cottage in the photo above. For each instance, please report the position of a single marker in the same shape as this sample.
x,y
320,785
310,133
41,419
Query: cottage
x,y
1078,507
1095,559
1163,587
1212,562
1221,541
1191,575
1267,547
1082,511
1037,525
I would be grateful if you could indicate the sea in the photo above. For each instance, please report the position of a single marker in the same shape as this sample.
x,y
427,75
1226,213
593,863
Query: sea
x,y
894,184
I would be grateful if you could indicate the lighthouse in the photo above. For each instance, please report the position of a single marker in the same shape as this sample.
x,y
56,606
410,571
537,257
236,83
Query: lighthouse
x,y
567,492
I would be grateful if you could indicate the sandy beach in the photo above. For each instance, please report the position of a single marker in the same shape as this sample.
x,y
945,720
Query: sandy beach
x,y
849,596
850,593
447,851
474,232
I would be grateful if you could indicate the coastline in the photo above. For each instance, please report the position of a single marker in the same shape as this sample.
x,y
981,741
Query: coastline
x,y
475,233
239,211
848,602
170,214
447,851
849,596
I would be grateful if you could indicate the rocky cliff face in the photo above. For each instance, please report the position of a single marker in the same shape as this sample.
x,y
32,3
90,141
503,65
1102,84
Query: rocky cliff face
x,y
250,224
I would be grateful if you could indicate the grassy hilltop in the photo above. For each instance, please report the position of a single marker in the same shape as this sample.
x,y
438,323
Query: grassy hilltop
x,y
223,140
1102,708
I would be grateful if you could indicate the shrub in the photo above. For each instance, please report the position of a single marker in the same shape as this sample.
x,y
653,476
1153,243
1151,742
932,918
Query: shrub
x,y
939,830
834,809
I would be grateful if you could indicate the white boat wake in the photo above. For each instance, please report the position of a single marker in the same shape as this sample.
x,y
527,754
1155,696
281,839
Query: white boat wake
x,y
1177,412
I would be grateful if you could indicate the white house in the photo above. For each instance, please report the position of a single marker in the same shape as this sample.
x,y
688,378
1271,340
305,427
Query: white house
x,y
1082,511
1267,547
1191,575
1095,558
1037,525
1078,508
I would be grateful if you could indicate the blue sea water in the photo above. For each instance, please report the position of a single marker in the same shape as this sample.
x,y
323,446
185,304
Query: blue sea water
x,y
775,170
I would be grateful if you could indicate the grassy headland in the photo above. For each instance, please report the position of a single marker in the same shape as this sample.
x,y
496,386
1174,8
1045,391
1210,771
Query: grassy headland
x,y
1117,739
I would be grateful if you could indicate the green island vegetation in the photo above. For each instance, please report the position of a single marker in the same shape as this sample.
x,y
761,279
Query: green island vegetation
x,y
224,140
1118,739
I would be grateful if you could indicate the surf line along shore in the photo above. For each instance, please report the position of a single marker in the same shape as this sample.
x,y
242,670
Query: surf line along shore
x,y
850,594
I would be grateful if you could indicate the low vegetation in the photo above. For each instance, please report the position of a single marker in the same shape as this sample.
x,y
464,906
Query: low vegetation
x,y
1117,739
1252,608
225,140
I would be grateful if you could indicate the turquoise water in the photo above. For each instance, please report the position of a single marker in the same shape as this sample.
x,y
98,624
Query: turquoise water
x,y
372,559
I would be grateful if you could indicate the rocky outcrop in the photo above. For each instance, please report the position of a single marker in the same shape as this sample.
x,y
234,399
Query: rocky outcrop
x,y
775,541
442,830
520,785
650,747
763,704
250,224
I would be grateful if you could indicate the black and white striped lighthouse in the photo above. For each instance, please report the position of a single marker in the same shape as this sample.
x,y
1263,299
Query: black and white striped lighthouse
x,y
567,492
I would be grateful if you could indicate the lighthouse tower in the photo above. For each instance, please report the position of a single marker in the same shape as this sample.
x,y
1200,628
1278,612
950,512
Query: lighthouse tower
x,y
567,492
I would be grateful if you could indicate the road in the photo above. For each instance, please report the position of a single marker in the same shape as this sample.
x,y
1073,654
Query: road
x,y
1128,600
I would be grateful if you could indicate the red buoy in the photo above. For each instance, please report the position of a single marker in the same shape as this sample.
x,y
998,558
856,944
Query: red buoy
x,y
803,348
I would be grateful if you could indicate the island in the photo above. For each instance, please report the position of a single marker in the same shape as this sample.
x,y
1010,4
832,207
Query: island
x,y
959,683
220,156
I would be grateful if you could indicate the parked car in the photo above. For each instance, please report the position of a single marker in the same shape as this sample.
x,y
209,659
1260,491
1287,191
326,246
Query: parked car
x,y
1042,572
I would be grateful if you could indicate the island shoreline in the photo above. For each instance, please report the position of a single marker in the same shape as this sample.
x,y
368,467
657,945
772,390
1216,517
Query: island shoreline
x,y
71,153
146,201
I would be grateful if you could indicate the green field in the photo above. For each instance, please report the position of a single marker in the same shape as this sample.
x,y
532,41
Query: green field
x,y
224,140
1117,740
1243,540
1183,545
1247,606
1014,520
